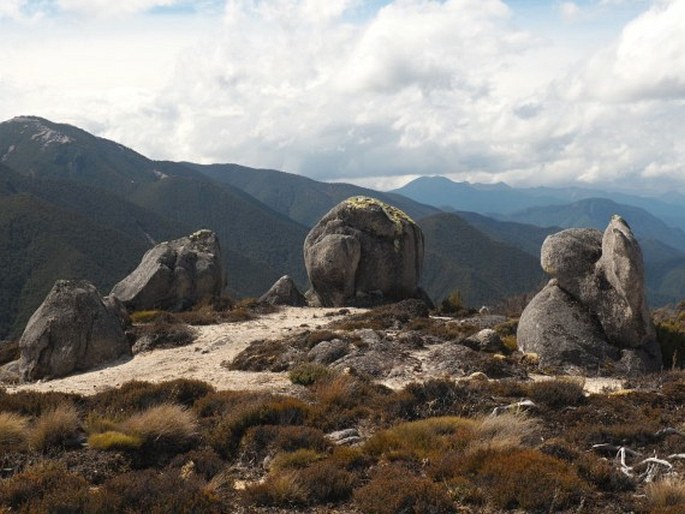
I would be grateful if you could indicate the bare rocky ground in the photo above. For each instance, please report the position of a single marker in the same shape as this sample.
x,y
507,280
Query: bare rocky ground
x,y
216,345
202,359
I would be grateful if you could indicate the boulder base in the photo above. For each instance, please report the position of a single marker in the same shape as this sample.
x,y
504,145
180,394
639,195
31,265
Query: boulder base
x,y
73,330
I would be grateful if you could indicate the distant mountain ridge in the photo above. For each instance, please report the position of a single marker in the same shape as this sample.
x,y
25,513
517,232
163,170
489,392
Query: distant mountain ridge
x,y
503,200
73,205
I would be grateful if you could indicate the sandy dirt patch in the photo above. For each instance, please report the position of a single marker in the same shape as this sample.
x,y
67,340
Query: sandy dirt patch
x,y
202,359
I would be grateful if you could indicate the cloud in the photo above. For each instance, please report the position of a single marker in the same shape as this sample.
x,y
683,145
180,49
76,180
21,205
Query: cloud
x,y
108,7
296,86
334,90
569,10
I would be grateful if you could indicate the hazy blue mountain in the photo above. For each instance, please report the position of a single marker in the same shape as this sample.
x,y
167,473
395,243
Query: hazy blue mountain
x,y
501,199
596,213
300,198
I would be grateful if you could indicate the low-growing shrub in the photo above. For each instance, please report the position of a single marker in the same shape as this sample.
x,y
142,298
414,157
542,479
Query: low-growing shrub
x,y
13,432
33,403
294,460
671,337
558,393
308,373
161,334
45,487
205,462
422,439
156,493
149,316
394,489
229,431
278,489
322,481
112,440
261,440
135,396
523,478
56,427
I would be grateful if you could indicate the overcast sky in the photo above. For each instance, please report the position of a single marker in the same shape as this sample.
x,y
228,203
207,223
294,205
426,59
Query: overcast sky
x,y
529,92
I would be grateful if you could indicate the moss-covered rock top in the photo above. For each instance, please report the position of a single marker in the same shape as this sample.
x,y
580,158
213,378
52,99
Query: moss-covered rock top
x,y
393,213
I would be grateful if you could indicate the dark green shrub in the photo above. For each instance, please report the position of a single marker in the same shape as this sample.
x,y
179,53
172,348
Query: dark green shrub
x,y
205,462
308,373
671,338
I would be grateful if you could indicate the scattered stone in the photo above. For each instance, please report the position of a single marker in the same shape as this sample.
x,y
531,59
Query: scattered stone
x,y
72,330
487,340
363,252
345,437
522,406
593,314
175,275
284,292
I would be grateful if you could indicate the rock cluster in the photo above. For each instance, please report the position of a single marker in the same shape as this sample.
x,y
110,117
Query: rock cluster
x,y
363,249
74,329
175,275
593,313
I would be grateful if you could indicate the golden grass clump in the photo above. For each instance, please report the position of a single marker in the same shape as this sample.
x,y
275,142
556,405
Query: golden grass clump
x,y
13,432
113,440
55,427
166,424
508,430
666,495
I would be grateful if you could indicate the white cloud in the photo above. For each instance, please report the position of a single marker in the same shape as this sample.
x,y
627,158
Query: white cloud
x,y
569,10
417,86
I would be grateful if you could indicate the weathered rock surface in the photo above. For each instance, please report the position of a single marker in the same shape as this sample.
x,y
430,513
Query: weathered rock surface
x,y
72,330
486,340
363,250
284,292
175,275
593,313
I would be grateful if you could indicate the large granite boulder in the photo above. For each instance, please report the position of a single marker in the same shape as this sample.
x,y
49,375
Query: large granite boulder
x,y
363,248
593,314
175,275
284,292
72,330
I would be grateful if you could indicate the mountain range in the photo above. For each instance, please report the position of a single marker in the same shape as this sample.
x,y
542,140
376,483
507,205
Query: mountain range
x,y
73,205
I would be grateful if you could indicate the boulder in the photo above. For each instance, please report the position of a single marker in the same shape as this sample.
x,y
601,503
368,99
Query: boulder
x,y
72,330
284,292
486,340
593,313
363,251
175,275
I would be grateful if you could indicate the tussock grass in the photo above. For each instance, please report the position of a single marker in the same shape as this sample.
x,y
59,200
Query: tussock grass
x,y
13,432
666,495
55,427
166,425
